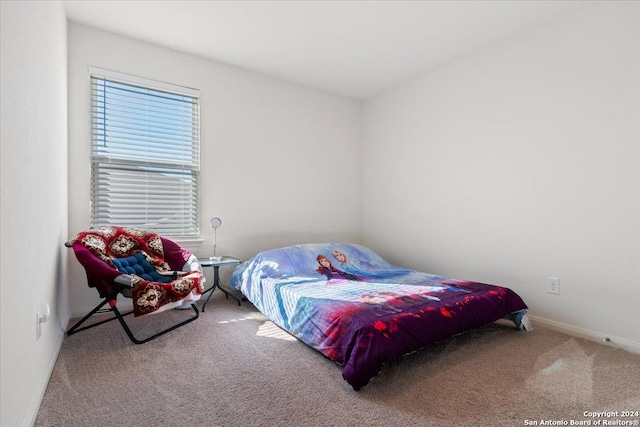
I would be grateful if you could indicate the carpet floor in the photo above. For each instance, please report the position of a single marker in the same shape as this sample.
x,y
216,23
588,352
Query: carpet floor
x,y
233,367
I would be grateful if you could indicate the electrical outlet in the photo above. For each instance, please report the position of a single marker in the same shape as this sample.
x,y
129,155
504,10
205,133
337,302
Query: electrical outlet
x,y
553,285
38,327
42,316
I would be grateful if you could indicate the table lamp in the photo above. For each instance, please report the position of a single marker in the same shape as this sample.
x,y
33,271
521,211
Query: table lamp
x,y
215,223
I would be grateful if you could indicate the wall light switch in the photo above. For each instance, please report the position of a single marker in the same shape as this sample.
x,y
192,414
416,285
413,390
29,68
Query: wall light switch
x,y
553,285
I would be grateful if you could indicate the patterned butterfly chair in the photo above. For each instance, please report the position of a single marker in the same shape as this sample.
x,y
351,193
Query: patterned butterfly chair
x,y
155,272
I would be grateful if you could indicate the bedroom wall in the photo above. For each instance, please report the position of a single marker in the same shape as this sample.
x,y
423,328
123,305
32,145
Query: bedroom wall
x,y
281,162
519,162
33,201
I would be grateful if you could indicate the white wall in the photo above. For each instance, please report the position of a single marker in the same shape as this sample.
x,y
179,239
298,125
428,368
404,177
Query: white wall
x,y
33,202
517,163
281,163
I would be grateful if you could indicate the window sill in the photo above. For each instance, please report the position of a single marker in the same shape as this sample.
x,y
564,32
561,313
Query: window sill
x,y
188,243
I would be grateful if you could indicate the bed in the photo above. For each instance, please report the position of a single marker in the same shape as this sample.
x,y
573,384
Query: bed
x,y
359,310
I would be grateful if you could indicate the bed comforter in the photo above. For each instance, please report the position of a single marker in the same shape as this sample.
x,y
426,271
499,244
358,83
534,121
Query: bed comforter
x,y
361,311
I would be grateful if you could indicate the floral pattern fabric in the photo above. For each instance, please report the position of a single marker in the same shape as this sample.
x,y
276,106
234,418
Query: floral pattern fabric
x,y
108,243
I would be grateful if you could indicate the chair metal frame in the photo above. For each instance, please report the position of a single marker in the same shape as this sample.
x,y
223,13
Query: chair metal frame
x,y
109,289
120,317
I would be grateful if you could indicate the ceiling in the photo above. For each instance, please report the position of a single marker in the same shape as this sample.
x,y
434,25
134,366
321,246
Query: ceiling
x,y
352,48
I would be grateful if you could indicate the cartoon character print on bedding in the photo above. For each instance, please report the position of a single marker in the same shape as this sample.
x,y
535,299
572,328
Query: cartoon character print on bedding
x,y
360,324
367,284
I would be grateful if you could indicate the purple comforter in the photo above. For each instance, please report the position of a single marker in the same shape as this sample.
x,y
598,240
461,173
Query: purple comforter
x,y
360,311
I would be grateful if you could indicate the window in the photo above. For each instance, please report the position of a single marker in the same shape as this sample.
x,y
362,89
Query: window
x,y
145,154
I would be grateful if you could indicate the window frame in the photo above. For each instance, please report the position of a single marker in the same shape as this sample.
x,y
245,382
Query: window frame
x,y
153,164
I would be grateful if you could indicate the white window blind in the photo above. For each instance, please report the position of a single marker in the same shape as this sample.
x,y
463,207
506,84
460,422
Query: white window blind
x,y
145,155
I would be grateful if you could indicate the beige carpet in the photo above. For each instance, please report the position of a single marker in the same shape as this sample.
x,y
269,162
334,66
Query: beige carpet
x,y
232,367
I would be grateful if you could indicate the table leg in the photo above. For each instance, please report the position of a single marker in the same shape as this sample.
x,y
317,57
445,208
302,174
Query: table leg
x,y
228,294
213,288
216,284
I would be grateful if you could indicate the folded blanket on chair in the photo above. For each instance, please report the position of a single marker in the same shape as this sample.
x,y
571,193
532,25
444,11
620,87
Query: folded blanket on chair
x,y
122,247
121,242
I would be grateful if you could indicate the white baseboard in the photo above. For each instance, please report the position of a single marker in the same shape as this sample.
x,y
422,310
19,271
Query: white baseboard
x,y
612,341
33,409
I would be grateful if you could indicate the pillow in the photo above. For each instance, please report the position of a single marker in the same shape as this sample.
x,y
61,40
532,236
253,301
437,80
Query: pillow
x,y
302,260
138,265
